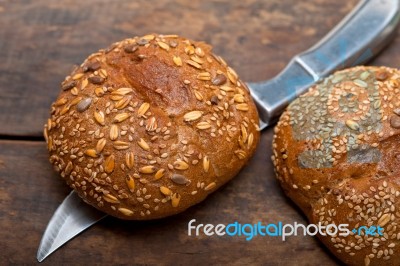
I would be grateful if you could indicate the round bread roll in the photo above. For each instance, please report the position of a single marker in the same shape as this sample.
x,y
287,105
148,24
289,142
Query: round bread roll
x,y
150,126
336,154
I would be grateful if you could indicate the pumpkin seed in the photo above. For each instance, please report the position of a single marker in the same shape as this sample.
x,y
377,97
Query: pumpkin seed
x,y
180,179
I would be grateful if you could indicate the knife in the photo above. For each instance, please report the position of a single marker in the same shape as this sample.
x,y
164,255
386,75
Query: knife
x,y
365,31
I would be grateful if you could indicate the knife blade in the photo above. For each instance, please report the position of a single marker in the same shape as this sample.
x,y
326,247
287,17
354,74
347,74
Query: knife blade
x,y
360,36
366,30
72,217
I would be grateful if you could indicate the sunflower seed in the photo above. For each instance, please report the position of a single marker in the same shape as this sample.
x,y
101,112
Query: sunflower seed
x,y
381,75
83,105
180,179
239,98
96,80
110,48
219,79
397,111
142,42
173,43
91,66
395,121
131,48
69,85
214,100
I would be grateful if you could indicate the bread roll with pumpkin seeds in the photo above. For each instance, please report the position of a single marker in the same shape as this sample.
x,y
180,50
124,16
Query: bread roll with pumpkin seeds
x,y
150,126
336,155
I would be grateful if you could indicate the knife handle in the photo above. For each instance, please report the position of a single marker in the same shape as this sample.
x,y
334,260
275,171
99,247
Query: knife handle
x,y
355,40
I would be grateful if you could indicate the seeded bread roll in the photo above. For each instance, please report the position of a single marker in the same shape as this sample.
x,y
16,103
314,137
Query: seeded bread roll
x,y
150,126
336,154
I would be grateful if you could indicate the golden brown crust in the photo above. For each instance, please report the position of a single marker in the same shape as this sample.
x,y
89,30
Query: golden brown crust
x,y
336,155
151,126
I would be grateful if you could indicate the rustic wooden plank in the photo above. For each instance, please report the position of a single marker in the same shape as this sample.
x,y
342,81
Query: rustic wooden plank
x,y
30,191
40,41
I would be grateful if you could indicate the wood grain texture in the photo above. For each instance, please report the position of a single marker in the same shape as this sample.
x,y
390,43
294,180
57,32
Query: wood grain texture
x,y
30,191
41,40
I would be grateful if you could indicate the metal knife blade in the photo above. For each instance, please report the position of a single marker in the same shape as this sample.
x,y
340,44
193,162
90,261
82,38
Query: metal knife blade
x,y
72,217
360,36
365,31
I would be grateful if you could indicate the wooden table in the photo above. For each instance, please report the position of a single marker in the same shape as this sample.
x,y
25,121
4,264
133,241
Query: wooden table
x,y
41,40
